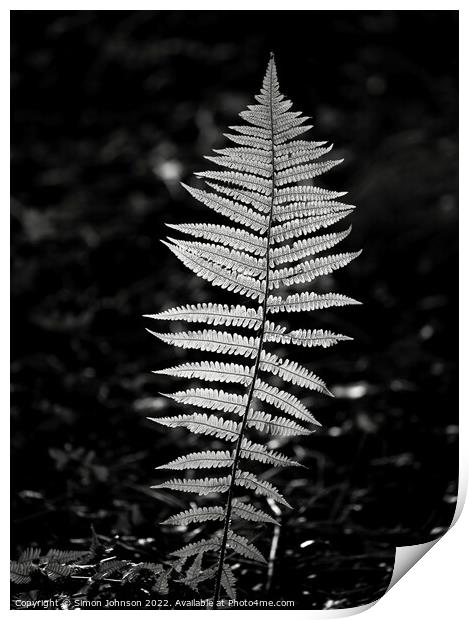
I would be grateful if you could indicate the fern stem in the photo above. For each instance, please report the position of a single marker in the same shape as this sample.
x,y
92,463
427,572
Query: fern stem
x,y
229,501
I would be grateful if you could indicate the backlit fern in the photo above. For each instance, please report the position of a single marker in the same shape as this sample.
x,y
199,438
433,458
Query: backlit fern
x,y
264,186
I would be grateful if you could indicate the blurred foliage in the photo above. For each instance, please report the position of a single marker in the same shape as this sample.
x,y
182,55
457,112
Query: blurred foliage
x,y
110,110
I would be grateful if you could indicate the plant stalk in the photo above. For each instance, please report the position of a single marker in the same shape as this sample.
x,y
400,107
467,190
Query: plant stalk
x,y
236,458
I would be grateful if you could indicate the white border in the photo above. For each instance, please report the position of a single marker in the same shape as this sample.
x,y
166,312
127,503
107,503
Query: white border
x,y
438,586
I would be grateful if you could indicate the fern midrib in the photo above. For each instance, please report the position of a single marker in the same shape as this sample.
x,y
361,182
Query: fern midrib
x,y
229,501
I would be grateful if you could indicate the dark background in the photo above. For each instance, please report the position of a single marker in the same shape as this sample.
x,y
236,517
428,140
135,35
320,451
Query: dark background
x,y
110,110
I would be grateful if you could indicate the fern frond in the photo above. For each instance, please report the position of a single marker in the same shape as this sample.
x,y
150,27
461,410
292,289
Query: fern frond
x,y
315,337
251,165
305,193
256,200
20,572
308,301
211,371
246,153
283,400
260,487
310,270
219,275
304,172
258,452
235,238
201,486
257,143
62,556
286,151
196,515
259,132
111,567
251,182
235,211
202,424
201,546
300,227
228,582
267,423
29,554
211,340
201,460
306,247
264,184
196,580
292,372
247,512
194,569
288,134
212,314
234,260
211,399
56,571
242,546
301,156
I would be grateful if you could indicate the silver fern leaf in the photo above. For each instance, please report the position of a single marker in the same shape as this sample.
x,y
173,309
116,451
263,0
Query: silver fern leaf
x,y
263,186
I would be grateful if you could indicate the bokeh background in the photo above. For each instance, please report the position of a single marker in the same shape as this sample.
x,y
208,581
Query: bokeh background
x,y
111,109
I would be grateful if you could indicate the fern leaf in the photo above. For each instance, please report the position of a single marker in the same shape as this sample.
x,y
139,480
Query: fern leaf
x,y
247,512
218,275
196,515
195,567
211,340
251,165
235,238
251,182
195,581
201,423
109,568
310,270
301,156
305,193
225,206
56,571
201,486
288,134
231,259
302,173
306,247
211,371
258,201
29,554
61,556
199,460
260,487
201,546
259,132
286,151
20,572
258,452
283,400
161,583
315,338
228,582
257,143
242,546
212,314
263,183
273,425
300,227
308,301
211,399
292,372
